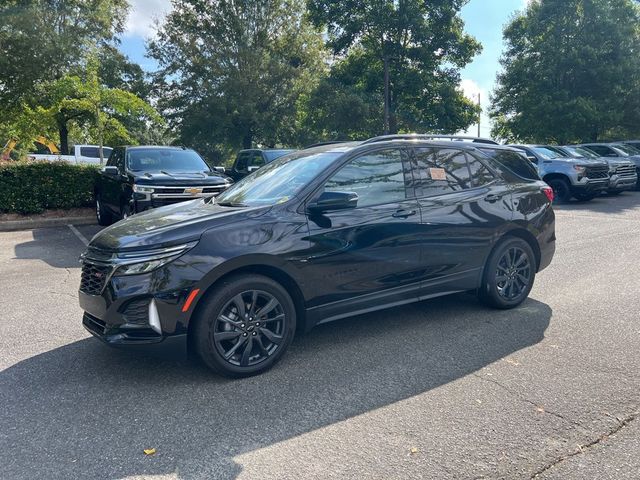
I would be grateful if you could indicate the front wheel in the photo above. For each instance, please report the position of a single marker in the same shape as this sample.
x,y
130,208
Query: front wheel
x,y
104,218
245,326
509,274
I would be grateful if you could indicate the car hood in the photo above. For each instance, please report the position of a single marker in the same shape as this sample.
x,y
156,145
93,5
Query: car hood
x,y
180,178
618,161
170,225
589,162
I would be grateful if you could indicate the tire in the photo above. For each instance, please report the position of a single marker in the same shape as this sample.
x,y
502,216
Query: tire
x,y
585,197
236,348
103,217
561,190
506,264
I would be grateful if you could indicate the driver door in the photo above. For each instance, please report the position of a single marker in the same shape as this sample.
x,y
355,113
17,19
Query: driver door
x,y
368,255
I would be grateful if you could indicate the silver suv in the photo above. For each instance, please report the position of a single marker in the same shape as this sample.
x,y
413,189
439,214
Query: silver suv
x,y
617,150
569,177
622,172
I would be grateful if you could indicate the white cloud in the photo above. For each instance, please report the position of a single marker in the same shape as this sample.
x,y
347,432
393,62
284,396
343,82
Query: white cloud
x,y
143,15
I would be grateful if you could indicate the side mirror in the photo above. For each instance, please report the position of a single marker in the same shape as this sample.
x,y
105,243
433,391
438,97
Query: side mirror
x,y
111,171
220,169
329,201
252,169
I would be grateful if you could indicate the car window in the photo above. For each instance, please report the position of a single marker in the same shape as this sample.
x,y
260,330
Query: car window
x,y
440,171
600,149
512,162
628,149
241,164
113,158
480,174
273,154
256,160
377,178
547,153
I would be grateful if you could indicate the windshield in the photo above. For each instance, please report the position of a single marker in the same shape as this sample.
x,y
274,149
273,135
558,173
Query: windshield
x,y
273,154
579,152
165,160
627,149
557,150
547,153
277,181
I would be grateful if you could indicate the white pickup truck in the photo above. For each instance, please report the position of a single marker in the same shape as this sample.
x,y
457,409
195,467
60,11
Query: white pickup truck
x,y
81,154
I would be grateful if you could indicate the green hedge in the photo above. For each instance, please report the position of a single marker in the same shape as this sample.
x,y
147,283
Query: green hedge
x,y
32,187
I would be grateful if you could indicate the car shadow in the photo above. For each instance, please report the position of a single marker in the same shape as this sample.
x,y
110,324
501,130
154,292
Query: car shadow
x,y
627,200
86,411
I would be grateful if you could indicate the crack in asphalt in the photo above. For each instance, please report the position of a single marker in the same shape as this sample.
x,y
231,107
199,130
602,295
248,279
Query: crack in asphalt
x,y
526,400
581,448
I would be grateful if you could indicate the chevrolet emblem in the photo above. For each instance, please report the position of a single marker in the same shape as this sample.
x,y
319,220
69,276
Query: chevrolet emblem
x,y
193,191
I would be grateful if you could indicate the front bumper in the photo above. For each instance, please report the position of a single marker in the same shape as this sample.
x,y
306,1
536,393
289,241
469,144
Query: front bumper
x,y
139,309
619,184
591,186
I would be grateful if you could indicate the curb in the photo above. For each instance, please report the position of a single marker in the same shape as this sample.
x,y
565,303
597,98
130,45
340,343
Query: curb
x,y
28,224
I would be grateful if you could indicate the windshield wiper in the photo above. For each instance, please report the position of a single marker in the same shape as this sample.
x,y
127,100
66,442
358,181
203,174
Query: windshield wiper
x,y
231,204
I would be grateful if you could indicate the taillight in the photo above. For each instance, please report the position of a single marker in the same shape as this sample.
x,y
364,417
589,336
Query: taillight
x,y
548,191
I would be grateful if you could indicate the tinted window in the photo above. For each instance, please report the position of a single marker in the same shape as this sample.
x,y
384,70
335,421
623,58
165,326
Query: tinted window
x,y
600,149
480,174
113,158
94,152
165,159
377,178
441,171
241,164
257,160
512,162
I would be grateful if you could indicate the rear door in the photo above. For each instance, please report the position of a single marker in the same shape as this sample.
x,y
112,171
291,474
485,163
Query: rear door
x,y
368,255
463,206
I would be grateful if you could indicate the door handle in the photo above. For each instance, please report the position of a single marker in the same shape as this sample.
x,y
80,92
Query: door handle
x,y
403,213
492,198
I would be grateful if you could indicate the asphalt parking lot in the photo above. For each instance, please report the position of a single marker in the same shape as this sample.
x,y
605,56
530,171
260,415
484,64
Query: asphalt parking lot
x,y
440,389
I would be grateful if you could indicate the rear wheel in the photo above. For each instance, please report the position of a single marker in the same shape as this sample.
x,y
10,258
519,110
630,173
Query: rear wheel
x,y
509,274
245,326
561,190
104,218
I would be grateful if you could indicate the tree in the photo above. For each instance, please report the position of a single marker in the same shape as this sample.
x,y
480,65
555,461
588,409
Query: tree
x,y
570,72
87,104
402,59
45,39
231,72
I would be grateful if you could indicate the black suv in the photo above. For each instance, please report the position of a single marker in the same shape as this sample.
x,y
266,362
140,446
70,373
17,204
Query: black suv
x,y
248,161
318,235
139,178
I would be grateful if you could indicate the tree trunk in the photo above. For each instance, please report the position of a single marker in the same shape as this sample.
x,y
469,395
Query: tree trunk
x,y
386,95
64,138
247,140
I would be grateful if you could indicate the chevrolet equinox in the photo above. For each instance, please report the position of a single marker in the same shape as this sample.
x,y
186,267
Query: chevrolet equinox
x,y
318,235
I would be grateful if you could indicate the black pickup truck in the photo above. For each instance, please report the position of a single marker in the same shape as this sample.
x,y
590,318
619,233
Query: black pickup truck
x,y
139,178
250,160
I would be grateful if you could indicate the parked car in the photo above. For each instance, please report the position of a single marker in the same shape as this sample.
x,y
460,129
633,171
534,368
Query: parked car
x,y
139,178
616,150
581,178
248,161
315,236
622,173
81,154
634,143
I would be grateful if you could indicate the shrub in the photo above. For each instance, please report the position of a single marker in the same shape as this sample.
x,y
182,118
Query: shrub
x,y
32,187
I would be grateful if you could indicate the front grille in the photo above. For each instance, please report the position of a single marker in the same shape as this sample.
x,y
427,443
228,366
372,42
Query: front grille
x,y
161,202
626,170
597,172
136,312
93,278
214,190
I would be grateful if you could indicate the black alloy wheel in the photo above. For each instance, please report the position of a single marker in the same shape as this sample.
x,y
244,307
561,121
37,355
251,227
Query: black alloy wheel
x,y
509,274
561,190
244,326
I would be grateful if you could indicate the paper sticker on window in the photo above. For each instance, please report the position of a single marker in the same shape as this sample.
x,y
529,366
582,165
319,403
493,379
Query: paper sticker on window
x,y
437,174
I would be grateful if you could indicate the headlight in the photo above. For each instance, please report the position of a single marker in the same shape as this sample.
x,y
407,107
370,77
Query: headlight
x,y
145,261
580,169
142,189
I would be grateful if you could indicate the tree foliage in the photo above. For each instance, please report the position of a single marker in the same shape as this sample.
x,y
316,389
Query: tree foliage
x,y
232,71
571,72
425,46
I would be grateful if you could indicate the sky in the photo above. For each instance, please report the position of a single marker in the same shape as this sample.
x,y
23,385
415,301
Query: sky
x,y
484,19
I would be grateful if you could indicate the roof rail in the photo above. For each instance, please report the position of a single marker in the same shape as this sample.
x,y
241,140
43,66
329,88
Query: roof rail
x,y
320,144
427,136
